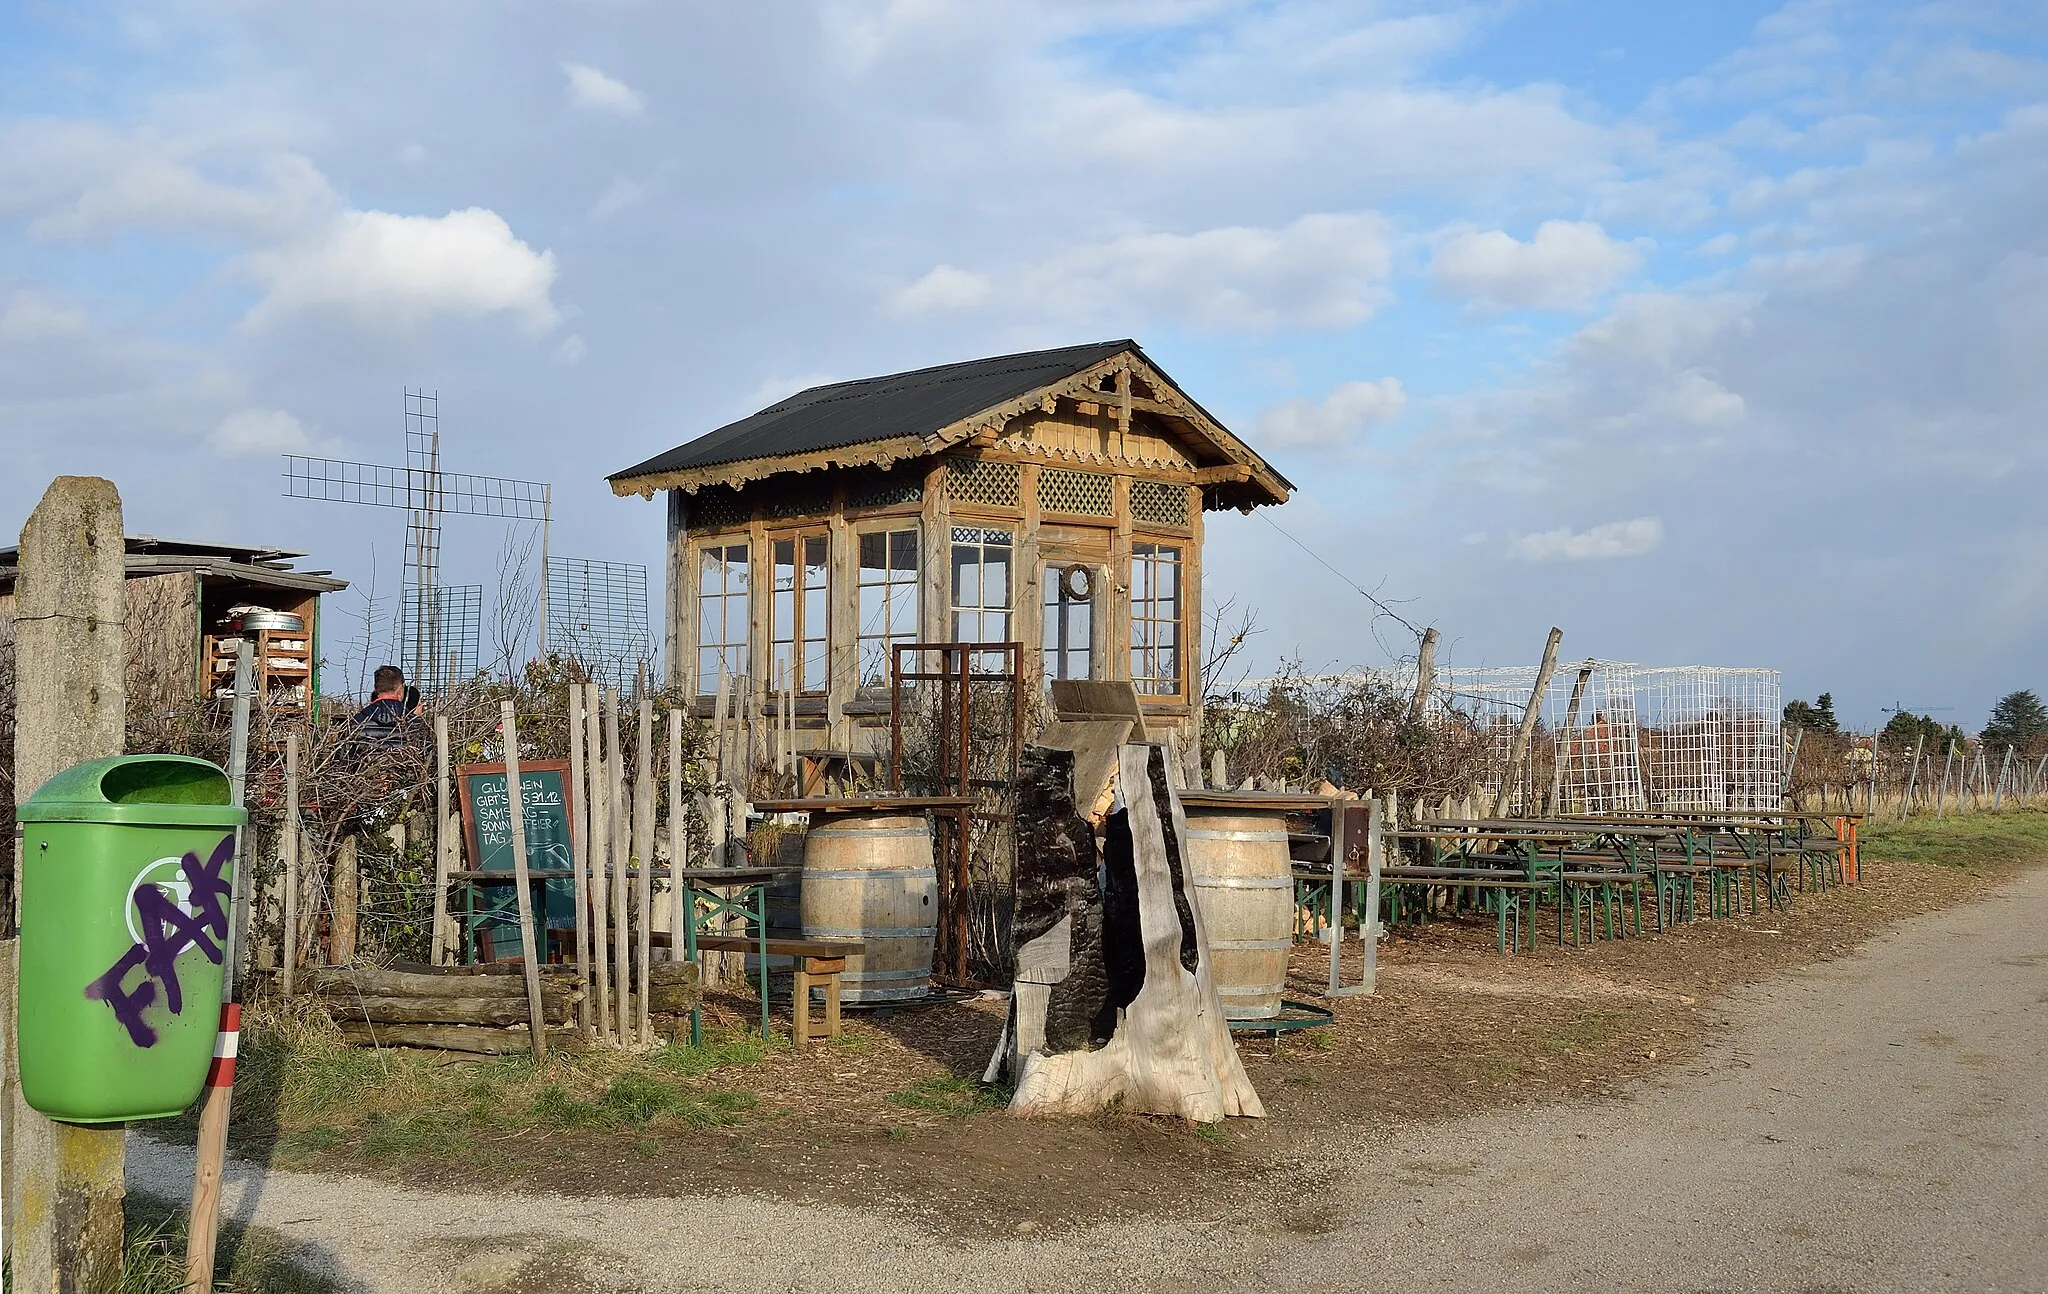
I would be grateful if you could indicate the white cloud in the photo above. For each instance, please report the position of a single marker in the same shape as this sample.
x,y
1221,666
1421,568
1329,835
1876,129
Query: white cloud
x,y
1568,265
31,317
382,269
619,194
78,180
1321,271
571,350
1336,420
593,91
249,432
1614,539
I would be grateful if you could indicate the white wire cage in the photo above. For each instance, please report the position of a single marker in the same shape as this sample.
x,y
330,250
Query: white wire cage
x,y
1583,756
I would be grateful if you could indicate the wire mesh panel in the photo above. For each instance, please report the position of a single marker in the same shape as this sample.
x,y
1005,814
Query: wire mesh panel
x,y
440,634
1681,737
597,613
1491,700
1598,756
1752,738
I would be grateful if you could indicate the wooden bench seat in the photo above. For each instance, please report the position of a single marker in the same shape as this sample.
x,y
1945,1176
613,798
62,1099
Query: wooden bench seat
x,y
821,961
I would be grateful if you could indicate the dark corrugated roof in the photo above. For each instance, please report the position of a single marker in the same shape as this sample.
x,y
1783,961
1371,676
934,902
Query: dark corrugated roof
x,y
879,408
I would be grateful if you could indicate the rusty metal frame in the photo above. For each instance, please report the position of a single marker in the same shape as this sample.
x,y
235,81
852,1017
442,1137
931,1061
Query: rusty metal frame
x,y
954,767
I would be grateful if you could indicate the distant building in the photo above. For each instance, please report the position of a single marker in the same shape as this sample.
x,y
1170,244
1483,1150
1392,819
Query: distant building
x,y
180,592
1053,498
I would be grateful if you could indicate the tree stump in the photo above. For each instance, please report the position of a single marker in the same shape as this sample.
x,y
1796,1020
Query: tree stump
x,y
1114,997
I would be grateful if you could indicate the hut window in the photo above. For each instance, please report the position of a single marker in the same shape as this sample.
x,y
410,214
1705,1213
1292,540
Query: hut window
x,y
1069,621
797,614
1155,619
888,599
722,613
981,585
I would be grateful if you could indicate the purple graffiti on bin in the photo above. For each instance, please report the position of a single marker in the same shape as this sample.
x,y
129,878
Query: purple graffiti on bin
x,y
167,931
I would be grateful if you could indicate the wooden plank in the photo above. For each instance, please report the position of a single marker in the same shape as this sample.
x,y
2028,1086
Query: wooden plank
x,y
472,1039
643,846
293,835
514,791
437,933
620,819
499,1011
579,830
500,980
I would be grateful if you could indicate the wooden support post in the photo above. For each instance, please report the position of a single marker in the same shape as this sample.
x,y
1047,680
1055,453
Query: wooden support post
x,y
438,932
516,807
1912,781
289,845
1941,792
1564,736
643,845
63,1181
1425,674
211,1145
579,853
678,839
600,851
622,860
1998,793
1518,748
343,884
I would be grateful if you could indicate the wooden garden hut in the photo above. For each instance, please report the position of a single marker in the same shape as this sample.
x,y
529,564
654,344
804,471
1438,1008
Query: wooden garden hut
x,y
1053,498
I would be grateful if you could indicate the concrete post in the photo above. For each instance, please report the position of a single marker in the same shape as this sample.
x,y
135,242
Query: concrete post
x,y
64,1187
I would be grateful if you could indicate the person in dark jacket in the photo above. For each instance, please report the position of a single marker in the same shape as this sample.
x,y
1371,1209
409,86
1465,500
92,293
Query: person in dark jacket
x,y
384,720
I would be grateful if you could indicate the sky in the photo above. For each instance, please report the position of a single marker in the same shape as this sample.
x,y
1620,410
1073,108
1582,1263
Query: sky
x,y
1712,333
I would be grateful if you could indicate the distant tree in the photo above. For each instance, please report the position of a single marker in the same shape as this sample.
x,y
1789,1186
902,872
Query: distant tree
x,y
1905,729
2019,719
1818,717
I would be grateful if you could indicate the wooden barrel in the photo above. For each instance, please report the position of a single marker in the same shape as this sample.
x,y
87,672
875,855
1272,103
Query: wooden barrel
x,y
1244,882
870,876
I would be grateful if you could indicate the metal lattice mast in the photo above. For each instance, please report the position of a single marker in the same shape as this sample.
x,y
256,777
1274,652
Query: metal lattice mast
x,y
437,626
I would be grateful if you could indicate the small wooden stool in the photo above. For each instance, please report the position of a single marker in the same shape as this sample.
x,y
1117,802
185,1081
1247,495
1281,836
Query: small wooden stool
x,y
819,962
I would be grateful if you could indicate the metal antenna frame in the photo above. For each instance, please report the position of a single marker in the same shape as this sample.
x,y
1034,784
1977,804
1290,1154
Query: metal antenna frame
x,y
426,493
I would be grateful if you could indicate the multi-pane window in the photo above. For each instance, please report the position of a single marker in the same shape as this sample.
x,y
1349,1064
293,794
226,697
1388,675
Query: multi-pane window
x,y
1155,619
722,613
799,566
888,599
1069,621
981,585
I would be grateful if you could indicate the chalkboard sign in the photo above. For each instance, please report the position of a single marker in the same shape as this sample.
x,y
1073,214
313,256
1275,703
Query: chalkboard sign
x,y
546,799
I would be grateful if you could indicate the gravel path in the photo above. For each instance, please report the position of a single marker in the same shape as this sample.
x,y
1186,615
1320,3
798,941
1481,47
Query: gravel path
x,y
1874,1123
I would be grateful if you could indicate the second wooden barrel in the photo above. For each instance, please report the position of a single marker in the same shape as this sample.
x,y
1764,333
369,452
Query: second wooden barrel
x,y
1244,881
870,876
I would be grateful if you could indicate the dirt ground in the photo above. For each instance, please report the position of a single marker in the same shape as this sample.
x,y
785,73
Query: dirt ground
x,y
888,1116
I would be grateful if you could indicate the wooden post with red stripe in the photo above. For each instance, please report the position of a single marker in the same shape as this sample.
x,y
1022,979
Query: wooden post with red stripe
x,y
204,1223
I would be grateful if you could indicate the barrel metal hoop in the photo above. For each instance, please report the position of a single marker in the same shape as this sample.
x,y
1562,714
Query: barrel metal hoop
x,y
870,977
1244,882
879,833
1256,837
872,932
876,873
1267,944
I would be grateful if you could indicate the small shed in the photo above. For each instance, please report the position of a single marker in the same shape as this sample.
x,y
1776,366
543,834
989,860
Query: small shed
x,y
179,593
1053,498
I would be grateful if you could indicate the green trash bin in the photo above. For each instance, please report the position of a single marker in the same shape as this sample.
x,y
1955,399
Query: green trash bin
x,y
126,872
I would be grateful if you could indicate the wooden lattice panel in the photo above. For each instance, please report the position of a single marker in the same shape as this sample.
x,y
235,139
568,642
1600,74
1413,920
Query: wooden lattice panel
x,y
884,489
1159,503
718,508
796,498
982,480
1088,494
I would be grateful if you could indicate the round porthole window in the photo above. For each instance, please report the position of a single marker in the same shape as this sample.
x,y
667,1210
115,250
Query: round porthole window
x,y
1078,583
